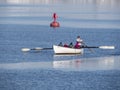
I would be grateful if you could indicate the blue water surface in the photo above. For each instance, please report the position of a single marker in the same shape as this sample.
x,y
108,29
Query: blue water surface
x,y
25,24
15,37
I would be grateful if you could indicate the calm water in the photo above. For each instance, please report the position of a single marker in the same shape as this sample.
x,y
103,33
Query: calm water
x,y
26,24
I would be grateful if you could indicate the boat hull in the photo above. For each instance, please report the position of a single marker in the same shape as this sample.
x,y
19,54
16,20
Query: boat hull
x,y
66,50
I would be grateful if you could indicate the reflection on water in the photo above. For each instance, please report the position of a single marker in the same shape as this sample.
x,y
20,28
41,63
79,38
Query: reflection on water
x,y
72,13
102,63
98,2
26,65
90,64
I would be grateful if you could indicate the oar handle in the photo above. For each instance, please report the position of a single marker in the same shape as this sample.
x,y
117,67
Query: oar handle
x,y
89,47
46,48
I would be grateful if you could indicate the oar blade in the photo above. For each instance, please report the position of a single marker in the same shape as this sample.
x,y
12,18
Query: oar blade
x,y
107,47
25,49
38,48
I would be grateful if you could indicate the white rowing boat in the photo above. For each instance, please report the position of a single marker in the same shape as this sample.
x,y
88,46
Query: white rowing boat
x,y
66,50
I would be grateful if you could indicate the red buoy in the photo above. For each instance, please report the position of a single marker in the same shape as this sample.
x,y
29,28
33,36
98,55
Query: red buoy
x,y
55,23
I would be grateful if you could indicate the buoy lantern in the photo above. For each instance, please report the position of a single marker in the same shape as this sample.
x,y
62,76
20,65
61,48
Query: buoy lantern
x,y
55,23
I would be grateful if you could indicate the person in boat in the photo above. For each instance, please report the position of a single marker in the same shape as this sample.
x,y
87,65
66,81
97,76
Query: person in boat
x,y
79,42
71,45
60,44
65,45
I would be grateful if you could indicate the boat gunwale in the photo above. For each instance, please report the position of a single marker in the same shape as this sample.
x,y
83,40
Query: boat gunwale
x,y
68,47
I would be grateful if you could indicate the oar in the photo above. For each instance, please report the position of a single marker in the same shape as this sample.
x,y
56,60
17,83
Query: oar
x,y
88,48
101,47
37,48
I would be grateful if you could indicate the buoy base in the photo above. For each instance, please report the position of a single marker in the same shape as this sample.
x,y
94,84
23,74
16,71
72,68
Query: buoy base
x,y
55,24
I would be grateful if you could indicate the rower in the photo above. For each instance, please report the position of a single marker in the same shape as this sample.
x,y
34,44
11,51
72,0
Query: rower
x,y
79,42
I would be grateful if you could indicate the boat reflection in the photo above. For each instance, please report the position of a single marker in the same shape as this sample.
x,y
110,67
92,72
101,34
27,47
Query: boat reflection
x,y
84,64
99,63
67,64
